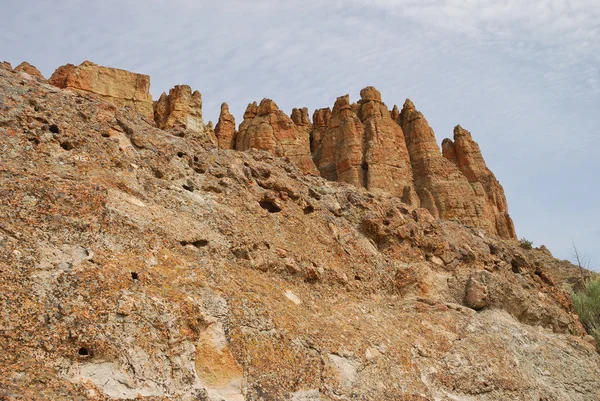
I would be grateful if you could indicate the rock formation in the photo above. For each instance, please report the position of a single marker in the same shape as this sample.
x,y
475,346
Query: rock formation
x,y
301,119
119,87
465,153
267,128
135,264
364,144
29,69
441,187
323,146
225,129
168,270
180,109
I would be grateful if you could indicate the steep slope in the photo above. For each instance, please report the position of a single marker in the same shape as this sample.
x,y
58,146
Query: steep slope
x,y
140,264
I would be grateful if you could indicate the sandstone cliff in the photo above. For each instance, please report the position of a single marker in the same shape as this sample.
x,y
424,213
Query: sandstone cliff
x,y
136,264
225,129
29,69
119,87
465,153
267,128
362,145
180,108
442,188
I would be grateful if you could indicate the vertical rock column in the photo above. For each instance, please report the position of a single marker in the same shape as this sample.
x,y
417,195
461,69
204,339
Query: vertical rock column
x,y
466,155
267,128
225,129
180,108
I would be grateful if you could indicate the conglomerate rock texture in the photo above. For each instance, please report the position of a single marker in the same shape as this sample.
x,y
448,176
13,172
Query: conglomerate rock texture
x,y
119,87
137,263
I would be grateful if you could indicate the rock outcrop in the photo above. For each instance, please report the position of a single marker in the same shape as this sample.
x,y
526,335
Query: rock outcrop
x,y
267,128
225,129
465,153
440,185
135,264
180,109
119,87
364,144
29,69
470,194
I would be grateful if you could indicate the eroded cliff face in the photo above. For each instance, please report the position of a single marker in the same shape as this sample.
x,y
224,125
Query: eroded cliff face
x,y
444,189
465,153
137,264
29,69
119,87
267,128
181,108
363,144
225,129
360,144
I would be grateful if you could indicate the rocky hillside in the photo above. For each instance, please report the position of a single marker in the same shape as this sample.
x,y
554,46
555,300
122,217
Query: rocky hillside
x,y
141,257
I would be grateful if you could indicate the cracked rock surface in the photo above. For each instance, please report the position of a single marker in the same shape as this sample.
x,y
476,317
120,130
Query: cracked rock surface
x,y
140,264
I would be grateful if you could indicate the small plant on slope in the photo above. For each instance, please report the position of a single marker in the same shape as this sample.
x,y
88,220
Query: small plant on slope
x,y
526,244
587,306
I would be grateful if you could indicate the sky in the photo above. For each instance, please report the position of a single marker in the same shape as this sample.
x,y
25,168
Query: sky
x,y
522,76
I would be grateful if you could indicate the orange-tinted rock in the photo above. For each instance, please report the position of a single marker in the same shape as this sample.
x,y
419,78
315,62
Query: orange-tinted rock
x,y
225,129
323,152
465,153
5,65
300,118
180,108
267,128
386,155
119,87
29,69
362,145
445,189
442,188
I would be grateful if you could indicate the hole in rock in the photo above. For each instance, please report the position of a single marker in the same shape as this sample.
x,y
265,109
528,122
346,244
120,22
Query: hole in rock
x,y
84,351
180,154
54,129
105,135
66,145
158,173
515,266
134,275
309,209
188,187
198,243
357,278
269,205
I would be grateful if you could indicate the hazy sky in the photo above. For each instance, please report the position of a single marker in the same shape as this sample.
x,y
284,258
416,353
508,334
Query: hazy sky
x,y
522,76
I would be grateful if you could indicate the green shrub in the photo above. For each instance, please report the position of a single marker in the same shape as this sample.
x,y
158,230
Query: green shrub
x,y
587,306
526,244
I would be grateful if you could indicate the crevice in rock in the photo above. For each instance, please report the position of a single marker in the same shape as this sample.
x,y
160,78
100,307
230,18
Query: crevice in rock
x,y
269,205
